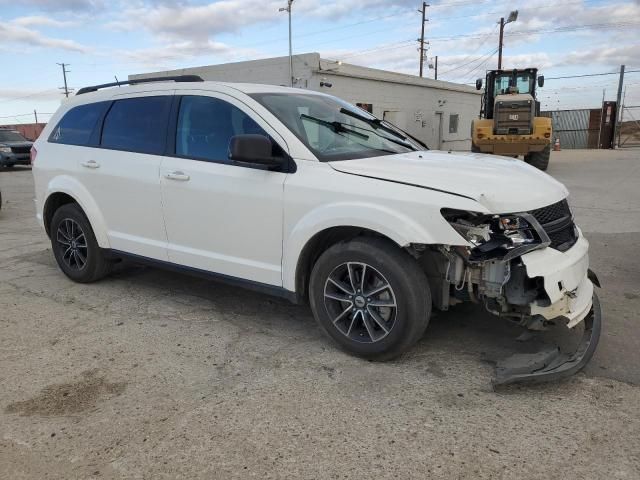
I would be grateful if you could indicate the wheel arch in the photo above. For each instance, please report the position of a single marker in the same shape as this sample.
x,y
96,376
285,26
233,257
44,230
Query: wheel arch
x,y
65,190
318,244
340,220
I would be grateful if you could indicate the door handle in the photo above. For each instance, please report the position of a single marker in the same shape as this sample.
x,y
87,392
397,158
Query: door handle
x,y
90,164
177,176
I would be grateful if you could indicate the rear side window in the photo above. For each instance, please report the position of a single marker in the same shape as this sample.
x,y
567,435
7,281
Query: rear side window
x,y
77,124
206,125
137,125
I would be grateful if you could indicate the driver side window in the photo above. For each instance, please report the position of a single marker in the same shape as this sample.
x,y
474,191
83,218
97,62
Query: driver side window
x,y
206,126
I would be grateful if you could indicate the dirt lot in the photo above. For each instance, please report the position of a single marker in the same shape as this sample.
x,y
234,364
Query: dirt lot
x,y
149,374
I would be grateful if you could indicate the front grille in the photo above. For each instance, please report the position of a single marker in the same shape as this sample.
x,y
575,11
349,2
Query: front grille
x,y
513,117
20,149
552,212
563,239
557,222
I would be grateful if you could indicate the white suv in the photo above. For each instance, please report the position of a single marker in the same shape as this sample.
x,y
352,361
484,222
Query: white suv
x,y
302,195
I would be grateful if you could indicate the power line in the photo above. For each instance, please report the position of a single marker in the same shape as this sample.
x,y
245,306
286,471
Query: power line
x,y
43,92
387,46
24,115
463,62
457,4
590,75
489,57
474,61
331,29
594,26
539,7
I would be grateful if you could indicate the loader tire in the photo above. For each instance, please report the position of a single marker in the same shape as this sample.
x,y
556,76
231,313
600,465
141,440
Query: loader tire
x,y
540,160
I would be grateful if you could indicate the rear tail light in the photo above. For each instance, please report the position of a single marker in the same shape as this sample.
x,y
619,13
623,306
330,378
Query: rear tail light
x,y
33,155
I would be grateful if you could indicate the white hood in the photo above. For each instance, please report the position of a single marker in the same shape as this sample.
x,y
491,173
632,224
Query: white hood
x,y
501,184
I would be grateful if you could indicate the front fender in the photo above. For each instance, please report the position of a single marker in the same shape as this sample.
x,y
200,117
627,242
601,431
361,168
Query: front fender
x,y
393,224
72,187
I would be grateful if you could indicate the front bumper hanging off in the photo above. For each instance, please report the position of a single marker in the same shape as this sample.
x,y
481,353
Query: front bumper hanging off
x,y
551,364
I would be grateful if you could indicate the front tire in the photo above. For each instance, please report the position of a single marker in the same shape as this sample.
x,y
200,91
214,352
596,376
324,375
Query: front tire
x,y
370,297
75,247
540,160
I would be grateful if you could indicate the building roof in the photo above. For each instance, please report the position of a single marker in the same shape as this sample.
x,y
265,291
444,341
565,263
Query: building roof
x,y
348,70
323,67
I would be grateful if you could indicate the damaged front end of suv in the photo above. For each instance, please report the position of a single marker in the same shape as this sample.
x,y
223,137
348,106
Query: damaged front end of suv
x,y
529,267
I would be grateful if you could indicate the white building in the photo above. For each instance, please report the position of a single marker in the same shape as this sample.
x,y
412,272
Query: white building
x,y
438,113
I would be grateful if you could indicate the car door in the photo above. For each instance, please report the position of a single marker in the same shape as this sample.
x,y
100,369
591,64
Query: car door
x,y
221,216
123,174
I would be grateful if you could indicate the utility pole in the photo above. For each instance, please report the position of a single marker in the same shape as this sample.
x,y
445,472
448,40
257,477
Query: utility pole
x,y
513,16
500,44
288,10
35,114
436,69
624,97
424,20
616,131
601,119
64,75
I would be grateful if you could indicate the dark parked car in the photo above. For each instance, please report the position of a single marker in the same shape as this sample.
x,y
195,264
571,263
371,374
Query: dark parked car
x,y
14,148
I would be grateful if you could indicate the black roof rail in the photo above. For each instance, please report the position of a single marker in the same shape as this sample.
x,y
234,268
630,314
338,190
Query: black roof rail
x,y
177,78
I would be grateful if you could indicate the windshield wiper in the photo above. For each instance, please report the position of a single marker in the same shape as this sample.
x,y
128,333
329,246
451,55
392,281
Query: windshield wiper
x,y
335,126
374,122
377,124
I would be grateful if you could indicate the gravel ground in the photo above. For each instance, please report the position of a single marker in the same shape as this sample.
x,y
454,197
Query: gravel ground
x,y
149,374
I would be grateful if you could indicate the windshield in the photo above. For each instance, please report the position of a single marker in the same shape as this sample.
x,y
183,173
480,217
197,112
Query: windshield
x,y
523,83
335,130
11,136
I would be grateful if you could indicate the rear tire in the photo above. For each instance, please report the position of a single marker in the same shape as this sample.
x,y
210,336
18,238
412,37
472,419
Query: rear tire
x,y
75,247
353,306
539,160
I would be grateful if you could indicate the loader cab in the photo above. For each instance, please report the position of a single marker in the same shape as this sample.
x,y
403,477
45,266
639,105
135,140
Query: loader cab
x,y
508,82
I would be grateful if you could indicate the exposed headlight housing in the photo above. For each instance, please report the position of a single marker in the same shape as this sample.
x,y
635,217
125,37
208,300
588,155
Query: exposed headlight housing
x,y
497,236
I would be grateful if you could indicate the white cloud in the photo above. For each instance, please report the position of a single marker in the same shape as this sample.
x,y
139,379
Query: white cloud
x,y
610,56
60,5
165,55
199,22
14,33
343,8
184,20
37,21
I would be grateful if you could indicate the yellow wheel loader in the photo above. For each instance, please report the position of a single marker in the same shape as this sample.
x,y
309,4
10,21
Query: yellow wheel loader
x,y
510,123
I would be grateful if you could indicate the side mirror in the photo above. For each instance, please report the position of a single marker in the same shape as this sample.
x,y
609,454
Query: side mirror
x,y
541,81
479,84
253,149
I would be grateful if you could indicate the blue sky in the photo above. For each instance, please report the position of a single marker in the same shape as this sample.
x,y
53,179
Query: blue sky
x,y
101,39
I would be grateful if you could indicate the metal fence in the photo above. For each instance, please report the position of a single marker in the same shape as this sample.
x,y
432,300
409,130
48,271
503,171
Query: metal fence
x,y
571,127
629,134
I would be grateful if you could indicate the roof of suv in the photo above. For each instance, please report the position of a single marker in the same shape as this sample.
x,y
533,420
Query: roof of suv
x,y
247,88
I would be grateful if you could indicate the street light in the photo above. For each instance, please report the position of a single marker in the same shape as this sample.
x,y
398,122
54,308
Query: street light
x,y
288,9
513,16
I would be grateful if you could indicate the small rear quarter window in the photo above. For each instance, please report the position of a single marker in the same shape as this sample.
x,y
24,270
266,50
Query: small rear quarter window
x,y
77,124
